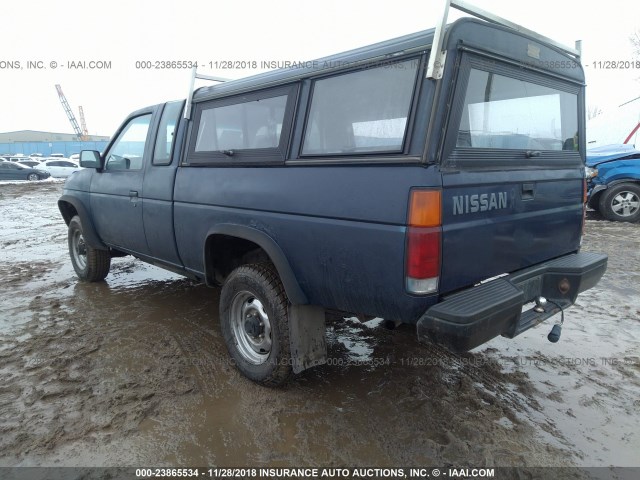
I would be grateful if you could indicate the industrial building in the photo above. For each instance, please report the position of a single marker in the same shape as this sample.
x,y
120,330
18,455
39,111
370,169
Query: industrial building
x,y
27,142
46,143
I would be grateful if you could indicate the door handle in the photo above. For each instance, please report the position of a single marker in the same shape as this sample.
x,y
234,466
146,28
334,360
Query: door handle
x,y
133,193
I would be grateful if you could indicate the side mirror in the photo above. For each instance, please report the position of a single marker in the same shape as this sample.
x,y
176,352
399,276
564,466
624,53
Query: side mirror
x,y
90,159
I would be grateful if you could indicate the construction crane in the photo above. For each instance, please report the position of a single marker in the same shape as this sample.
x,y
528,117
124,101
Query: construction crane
x,y
83,123
67,109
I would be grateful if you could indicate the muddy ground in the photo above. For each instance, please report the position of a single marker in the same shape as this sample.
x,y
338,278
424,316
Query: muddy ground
x,y
133,371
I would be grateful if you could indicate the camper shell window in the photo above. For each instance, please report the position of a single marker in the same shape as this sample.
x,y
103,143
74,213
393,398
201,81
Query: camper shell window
x,y
248,128
502,112
361,112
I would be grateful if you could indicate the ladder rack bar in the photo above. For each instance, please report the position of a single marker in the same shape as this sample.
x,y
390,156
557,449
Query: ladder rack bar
x,y
466,7
192,84
437,56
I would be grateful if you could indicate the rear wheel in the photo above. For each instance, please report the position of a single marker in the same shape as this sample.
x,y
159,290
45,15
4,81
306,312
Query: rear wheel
x,y
621,203
255,324
89,263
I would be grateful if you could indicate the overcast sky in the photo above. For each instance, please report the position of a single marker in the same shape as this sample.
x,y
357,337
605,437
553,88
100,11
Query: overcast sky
x,y
123,32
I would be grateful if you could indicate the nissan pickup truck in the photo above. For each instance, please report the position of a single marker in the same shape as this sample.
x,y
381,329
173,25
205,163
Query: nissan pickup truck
x,y
436,179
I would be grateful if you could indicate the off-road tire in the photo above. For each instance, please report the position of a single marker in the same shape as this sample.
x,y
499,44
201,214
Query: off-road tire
x,y
242,287
611,202
90,264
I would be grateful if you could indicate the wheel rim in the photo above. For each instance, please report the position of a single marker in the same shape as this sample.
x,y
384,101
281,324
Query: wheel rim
x,y
625,204
251,327
79,250
32,177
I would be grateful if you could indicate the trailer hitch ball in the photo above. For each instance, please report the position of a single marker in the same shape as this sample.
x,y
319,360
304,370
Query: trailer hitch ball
x,y
541,302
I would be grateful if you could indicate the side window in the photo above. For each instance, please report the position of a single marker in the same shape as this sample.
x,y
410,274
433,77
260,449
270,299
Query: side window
x,y
243,126
361,112
166,131
253,128
127,151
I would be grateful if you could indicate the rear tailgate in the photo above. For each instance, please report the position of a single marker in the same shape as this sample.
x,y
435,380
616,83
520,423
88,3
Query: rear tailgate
x,y
502,221
512,173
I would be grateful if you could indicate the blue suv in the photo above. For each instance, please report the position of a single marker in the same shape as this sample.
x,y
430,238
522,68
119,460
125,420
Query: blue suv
x,y
613,181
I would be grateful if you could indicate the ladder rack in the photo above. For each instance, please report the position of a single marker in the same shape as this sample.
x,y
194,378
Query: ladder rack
x,y
436,62
437,57
192,84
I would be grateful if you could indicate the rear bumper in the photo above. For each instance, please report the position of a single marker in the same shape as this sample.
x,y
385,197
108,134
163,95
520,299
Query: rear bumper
x,y
474,316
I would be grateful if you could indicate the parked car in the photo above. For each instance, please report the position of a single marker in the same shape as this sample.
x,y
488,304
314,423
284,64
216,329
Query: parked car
x,y
57,155
15,171
59,168
29,163
613,181
75,157
38,155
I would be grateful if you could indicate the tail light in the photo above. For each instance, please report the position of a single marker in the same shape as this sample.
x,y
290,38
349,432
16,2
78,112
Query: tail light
x,y
424,232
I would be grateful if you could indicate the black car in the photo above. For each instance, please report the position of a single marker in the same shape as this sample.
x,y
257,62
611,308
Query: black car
x,y
13,171
29,163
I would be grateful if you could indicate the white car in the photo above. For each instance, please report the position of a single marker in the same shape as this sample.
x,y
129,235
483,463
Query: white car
x,y
59,168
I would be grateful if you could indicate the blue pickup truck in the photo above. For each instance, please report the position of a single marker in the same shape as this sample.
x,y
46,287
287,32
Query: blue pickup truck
x,y
443,190
613,182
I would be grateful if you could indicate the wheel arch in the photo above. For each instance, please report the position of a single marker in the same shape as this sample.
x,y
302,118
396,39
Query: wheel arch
x,y
620,181
595,197
231,242
69,207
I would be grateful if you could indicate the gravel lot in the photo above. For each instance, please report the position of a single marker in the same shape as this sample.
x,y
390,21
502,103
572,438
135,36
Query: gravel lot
x,y
133,371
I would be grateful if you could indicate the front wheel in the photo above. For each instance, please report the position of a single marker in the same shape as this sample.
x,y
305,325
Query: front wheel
x,y
33,177
89,263
255,324
621,203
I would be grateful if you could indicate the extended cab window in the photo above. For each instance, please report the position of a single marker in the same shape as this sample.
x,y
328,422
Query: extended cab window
x,y
252,127
502,112
127,151
365,111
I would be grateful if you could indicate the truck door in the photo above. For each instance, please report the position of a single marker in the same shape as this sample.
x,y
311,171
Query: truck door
x,y
512,171
117,197
158,186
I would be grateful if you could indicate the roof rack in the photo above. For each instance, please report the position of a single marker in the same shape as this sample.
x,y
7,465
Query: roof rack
x,y
436,62
435,66
192,84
